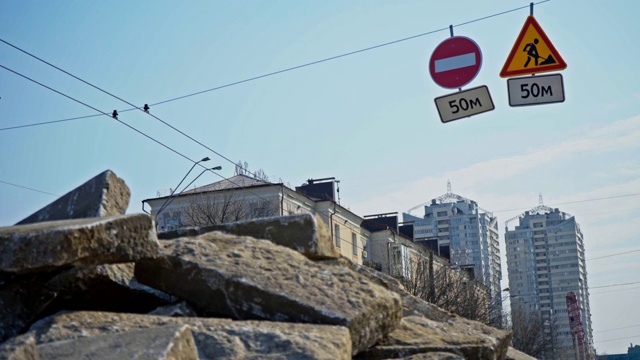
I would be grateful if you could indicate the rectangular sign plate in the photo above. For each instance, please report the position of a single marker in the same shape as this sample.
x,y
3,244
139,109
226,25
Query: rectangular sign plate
x,y
535,90
464,104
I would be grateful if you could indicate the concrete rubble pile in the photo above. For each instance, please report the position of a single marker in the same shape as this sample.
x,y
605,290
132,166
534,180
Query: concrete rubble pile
x,y
80,279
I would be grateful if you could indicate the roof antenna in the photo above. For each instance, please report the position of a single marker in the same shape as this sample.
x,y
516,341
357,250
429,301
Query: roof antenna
x,y
449,187
540,200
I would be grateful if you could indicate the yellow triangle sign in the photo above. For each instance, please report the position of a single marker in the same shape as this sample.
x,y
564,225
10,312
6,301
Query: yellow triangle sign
x,y
532,53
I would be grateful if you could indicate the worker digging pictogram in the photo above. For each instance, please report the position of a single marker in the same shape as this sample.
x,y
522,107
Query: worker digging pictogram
x,y
532,53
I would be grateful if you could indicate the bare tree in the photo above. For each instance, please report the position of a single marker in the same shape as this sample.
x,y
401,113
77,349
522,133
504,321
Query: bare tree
x,y
532,333
453,290
225,206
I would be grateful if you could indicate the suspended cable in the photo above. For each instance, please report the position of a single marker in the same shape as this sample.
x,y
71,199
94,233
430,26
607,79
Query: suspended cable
x,y
612,285
574,202
49,122
622,338
102,113
335,57
618,254
144,109
28,188
620,328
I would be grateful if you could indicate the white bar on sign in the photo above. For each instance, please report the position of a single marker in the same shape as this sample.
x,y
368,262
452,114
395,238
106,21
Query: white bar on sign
x,y
455,62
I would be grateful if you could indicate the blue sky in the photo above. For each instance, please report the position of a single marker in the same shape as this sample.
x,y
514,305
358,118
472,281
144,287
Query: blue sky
x,y
368,119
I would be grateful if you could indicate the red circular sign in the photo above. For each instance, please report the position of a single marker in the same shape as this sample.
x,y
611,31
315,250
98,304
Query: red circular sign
x,y
455,62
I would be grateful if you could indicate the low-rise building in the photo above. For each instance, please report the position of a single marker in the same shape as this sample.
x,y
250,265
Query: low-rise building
x,y
242,197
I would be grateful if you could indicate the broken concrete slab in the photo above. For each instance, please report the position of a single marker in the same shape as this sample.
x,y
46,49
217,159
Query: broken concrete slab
x,y
214,338
161,343
21,301
417,334
58,244
245,278
305,233
21,347
104,195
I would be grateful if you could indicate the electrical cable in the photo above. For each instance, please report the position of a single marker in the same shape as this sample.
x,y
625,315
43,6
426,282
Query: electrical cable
x,y
620,328
610,291
28,188
126,102
627,337
49,122
105,114
575,202
309,63
618,254
612,285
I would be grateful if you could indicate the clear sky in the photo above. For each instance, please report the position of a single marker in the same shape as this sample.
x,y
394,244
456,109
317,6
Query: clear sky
x,y
368,119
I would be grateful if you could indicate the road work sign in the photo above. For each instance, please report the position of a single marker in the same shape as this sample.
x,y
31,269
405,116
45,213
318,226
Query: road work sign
x,y
532,53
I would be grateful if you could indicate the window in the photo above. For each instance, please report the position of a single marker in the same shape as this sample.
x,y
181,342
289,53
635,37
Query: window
x,y
336,233
441,213
354,241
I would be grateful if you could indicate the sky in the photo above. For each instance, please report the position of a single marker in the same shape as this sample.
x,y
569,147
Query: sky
x,y
368,119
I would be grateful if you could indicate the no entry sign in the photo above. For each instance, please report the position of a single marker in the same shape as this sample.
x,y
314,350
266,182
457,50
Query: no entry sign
x,y
455,62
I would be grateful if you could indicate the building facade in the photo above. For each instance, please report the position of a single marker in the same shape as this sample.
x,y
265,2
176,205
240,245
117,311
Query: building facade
x,y
458,229
242,197
547,273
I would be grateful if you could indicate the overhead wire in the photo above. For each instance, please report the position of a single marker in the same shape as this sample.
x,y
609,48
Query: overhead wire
x,y
612,285
125,101
622,338
28,188
125,124
105,114
335,57
620,328
618,254
574,202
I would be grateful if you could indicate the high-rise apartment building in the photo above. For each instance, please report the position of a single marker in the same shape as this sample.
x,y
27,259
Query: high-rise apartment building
x,y
456,228
547,273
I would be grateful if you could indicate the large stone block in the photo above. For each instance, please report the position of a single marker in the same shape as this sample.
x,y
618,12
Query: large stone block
x,y
109,287
446,322
513,354
104,195
19,348
417,334
214,338
245,278
57,244
21,301
161,343
304,233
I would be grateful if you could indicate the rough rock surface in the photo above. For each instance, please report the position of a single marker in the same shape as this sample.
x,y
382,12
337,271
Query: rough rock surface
x,y
245,278
214,338
21,347
433,356
304,233
440,324
57,244
166,342
21,301
513,354
110,287
104,195
417,334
